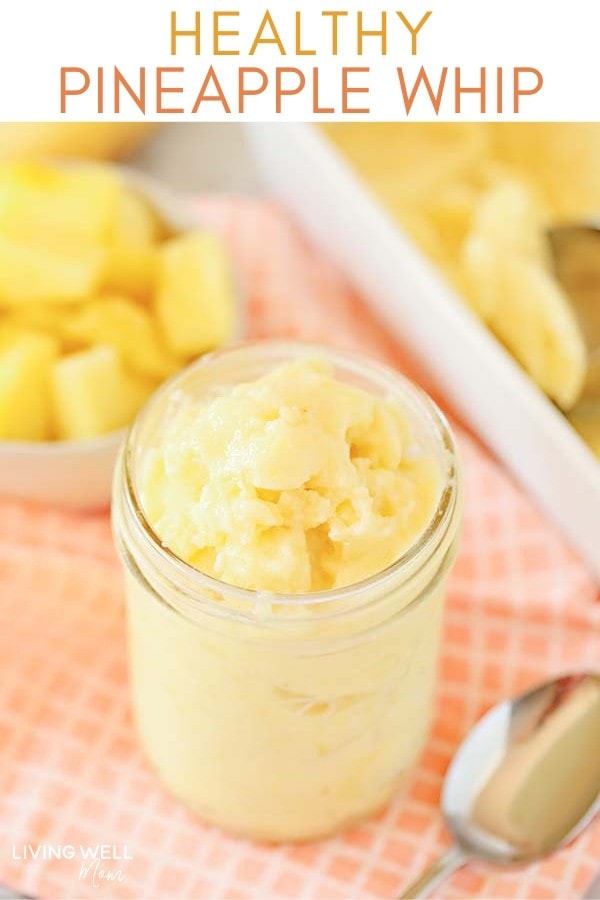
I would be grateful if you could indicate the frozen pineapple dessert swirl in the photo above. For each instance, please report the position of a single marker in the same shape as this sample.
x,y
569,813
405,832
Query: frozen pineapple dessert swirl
x,y
287,516
291,483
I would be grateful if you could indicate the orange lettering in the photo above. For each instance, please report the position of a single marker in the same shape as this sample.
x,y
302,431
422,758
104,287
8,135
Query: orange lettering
x,y
139,99
346,89
287,92
317,108
244,91
422,78
219,96
71,92
459,90
161,89
518,91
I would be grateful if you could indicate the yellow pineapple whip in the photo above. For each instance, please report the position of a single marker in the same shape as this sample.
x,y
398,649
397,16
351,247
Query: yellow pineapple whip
x,y
287,515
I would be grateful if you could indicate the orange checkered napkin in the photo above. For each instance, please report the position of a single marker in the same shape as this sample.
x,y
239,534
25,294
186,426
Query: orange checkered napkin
x,y
520,607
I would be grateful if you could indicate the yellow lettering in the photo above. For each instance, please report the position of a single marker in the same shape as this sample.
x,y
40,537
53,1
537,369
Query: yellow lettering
x,y
175,33
267,22
362,34
299,49
335,15
218,33
414,30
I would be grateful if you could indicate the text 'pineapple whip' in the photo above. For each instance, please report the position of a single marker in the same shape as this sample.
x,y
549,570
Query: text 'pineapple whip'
x,y
287,516
295,482
324,37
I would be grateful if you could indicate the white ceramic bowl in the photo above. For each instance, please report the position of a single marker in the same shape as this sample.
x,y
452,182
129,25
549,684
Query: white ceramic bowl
x,y
78,474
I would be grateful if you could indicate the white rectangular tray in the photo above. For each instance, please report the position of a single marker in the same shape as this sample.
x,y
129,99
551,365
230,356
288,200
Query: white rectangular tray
x,y
299,165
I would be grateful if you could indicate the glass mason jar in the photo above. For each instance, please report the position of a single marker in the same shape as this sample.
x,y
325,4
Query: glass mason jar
x,y
283,717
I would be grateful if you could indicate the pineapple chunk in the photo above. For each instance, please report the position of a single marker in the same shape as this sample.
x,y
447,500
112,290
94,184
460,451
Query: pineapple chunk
x,y
131,269
76,205
10,332
48,318
93,394
25,397
129,329
131,260
35,274
93,140
195,299
136,223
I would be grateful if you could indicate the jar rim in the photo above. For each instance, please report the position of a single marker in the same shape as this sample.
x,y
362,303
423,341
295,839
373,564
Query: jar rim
x,y
352,361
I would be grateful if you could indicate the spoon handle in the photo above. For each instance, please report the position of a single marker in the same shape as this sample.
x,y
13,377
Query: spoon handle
x,y
441,869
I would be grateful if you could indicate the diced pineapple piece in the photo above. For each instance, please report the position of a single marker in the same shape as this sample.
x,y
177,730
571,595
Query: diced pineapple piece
x,y
93,394
93,140
12,330
131,262
48,318
136,222
131,269
128,328
9,332
195,300
74,205
35,274
25,397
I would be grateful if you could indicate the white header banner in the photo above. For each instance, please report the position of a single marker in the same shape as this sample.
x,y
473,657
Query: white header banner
x,y
280,60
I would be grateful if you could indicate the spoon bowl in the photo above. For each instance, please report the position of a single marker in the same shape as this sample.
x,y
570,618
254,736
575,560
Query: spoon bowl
x,y
525,781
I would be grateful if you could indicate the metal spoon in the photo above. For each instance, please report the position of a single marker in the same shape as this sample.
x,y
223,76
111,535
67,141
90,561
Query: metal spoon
x,y
525,781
